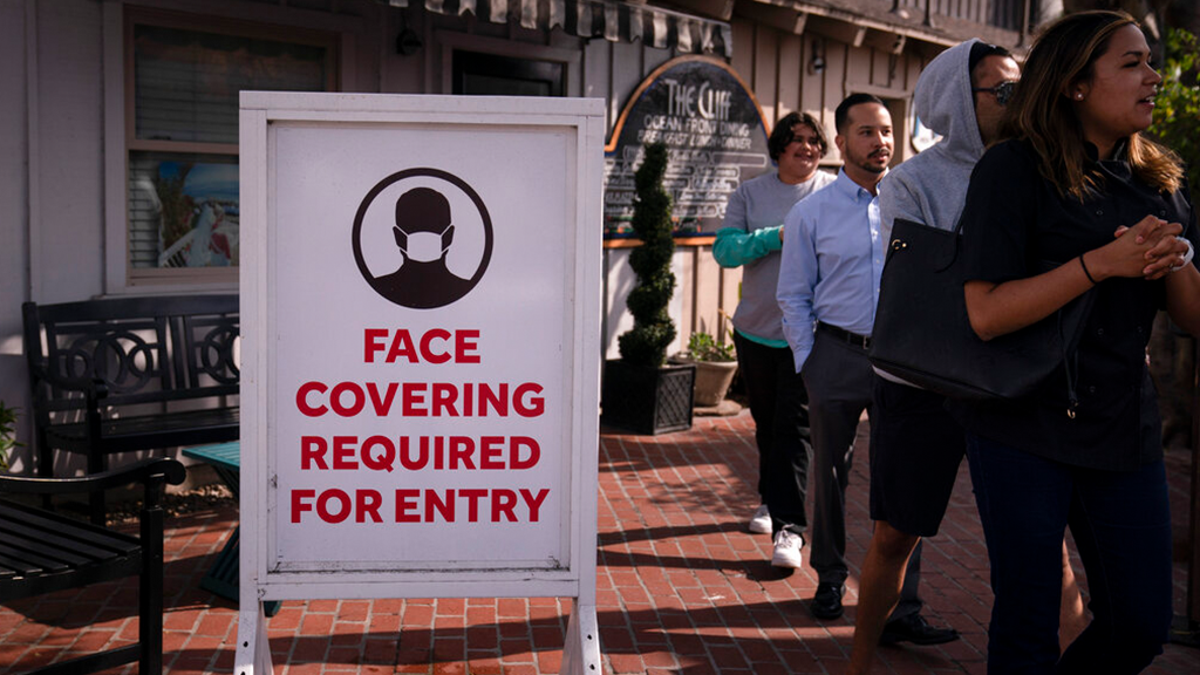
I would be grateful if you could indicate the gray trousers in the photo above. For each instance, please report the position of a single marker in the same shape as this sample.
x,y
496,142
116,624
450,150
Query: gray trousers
x,y
840,386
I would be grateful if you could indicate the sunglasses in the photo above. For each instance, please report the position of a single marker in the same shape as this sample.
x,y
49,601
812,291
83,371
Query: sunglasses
x,y
1003,91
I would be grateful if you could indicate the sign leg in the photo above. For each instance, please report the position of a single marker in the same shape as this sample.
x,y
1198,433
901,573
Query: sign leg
x,y
253,655
581,653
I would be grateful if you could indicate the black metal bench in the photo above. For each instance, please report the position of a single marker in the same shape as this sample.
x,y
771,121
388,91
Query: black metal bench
x,y
131,374
42,552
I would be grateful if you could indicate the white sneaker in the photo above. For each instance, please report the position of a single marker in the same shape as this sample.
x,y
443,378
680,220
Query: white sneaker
x,y
760,522
788,545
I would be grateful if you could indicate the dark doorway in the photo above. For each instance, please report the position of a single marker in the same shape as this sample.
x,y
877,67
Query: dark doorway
x,y
489,74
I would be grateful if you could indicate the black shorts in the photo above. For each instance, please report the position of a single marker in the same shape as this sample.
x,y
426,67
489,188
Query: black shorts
x,y
916,448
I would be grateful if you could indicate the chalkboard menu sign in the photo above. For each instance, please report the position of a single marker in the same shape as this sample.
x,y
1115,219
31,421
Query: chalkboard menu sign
x,y
715,135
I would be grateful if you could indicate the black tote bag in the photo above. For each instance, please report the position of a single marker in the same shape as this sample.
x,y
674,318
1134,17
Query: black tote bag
x,y
923,336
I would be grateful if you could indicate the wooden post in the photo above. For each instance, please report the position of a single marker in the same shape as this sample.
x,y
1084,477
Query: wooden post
x,y
1025,28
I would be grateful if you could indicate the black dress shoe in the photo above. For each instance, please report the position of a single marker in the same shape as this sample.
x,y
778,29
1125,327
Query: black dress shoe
x,y
915,629
827,602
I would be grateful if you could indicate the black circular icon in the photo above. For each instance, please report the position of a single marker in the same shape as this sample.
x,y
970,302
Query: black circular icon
x,y
425,227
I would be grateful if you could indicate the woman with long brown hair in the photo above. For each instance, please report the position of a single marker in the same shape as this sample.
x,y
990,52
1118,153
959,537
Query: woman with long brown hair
x,y
1076,183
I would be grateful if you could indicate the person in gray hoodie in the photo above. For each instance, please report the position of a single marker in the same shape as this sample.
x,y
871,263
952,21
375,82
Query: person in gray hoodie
x,y
916,446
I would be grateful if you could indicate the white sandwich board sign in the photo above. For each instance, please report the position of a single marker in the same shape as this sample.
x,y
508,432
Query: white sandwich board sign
x,y
420,306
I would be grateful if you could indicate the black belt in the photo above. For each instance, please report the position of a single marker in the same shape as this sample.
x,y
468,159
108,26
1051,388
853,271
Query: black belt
x,y
860,341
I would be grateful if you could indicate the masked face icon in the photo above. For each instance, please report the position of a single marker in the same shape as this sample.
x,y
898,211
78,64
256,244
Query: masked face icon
x,y
431,246
423,228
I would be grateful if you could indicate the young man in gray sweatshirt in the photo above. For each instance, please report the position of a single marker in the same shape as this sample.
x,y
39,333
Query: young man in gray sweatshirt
x,y
916,446
751,238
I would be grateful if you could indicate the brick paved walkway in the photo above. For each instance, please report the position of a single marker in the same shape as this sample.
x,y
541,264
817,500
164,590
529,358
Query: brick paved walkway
x,y
683,589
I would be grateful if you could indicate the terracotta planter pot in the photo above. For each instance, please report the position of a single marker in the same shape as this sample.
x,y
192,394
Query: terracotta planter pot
x,y
712,382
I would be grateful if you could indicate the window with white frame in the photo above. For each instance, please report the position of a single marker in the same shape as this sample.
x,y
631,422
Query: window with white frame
x,y
183,78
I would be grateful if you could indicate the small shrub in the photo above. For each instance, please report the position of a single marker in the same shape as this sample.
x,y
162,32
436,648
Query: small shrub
x,y
703,347
8,431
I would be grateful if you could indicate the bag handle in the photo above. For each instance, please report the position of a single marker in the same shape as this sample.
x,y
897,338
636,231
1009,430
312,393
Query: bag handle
x,y
1071,351
1070,366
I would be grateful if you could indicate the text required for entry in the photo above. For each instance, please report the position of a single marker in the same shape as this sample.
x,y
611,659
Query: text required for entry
x,y
405,455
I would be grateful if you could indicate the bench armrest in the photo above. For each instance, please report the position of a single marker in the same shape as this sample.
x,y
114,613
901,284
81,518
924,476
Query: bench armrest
x,y
155,470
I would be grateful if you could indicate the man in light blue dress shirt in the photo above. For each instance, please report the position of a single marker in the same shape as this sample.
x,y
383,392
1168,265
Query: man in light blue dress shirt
x,y
828,290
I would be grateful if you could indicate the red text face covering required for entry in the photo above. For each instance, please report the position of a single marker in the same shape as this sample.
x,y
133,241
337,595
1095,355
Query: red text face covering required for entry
x,y
421,352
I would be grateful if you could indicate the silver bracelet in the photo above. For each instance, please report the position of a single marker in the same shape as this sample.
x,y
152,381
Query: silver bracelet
x,y
1187,257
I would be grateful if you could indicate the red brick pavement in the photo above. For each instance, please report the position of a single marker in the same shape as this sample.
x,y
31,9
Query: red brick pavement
x,y
682,589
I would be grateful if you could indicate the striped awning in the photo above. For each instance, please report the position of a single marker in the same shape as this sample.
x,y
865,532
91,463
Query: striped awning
x,y
613,21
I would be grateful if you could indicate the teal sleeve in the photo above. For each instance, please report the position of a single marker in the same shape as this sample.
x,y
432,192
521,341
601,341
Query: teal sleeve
x,y
734,248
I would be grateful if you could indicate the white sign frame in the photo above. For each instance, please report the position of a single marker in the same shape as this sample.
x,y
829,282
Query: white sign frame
x,y
262,115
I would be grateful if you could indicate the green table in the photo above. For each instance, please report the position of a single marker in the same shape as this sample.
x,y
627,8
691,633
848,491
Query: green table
x,y
222,578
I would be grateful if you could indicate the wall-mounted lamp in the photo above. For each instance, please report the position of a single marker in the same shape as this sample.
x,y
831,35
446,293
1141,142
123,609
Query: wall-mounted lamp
x,y
407,42
816,63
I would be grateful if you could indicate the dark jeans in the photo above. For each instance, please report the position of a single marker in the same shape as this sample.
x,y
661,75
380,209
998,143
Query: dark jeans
x,y
778,405
1122,527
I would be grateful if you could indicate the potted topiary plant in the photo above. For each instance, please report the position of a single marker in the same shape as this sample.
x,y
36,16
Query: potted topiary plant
x,y
716,364
640,391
